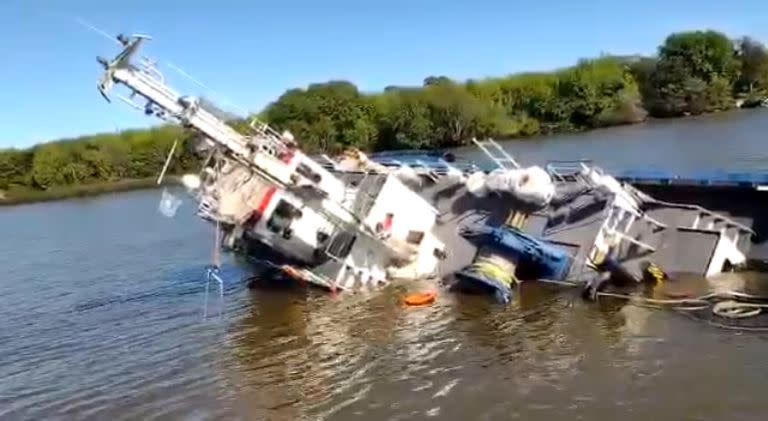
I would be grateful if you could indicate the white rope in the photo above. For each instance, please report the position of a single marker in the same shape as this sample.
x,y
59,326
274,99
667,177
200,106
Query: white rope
x,y
736,310
729,308
93,28
208,89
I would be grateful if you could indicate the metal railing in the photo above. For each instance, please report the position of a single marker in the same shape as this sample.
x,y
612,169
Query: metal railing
x,y
496,153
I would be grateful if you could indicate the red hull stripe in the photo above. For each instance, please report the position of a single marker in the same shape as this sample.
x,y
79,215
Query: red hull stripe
x,y
259,211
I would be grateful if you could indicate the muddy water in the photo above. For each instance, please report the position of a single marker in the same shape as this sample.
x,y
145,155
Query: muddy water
x,y
102,316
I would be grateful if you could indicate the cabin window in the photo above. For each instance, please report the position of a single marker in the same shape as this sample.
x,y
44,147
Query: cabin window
x,y
322,237
304,170
439,253
282,217
341,244
414,237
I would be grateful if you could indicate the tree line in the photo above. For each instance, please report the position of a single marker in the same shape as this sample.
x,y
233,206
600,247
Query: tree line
x,y
693,72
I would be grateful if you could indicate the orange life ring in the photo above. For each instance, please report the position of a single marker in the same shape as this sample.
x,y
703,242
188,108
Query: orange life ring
x,y
420,298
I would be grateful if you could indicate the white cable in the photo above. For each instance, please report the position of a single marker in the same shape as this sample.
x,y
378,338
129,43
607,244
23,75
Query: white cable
x,y
210,91
93,28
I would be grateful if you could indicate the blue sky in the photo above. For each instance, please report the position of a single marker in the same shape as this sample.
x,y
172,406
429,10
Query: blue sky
x,y
249,52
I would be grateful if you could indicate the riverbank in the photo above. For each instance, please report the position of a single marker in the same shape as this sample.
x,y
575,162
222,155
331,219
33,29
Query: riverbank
x,y
19,196
635,140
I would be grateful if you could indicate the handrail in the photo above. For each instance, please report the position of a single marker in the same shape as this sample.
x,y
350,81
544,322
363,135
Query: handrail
x,y
705,211
502,157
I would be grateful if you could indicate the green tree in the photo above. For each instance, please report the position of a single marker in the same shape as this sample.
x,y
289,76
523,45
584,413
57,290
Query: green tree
x,y
48,165
404,120
454,112
437,80
326,116
15,166
693,70
753,58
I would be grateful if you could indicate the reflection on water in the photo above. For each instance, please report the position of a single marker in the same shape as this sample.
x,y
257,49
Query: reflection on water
x,y
109,324
310,356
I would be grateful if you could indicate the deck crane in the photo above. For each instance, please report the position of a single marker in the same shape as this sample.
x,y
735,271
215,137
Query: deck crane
x,y
273,156
267,174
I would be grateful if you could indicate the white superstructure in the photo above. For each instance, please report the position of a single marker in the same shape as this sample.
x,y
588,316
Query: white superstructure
x,y
262,188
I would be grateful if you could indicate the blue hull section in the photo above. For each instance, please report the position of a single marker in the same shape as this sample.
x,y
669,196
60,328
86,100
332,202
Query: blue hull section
x,y
472,282
538,258
535,257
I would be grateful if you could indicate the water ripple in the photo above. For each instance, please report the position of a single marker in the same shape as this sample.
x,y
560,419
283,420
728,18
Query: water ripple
x,y
97,325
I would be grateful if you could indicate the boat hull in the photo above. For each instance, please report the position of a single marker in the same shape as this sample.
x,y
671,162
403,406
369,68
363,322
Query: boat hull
x,y
745,204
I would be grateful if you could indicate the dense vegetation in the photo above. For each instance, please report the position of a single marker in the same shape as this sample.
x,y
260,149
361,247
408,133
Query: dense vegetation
x,y
694,72
97,161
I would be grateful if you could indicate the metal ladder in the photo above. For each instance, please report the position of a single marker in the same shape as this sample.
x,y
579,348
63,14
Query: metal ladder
x,y
428,171
563,171
496,153
618,216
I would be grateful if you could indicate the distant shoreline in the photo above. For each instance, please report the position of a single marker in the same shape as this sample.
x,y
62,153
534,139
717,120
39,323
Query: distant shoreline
x,y
13,197
20,196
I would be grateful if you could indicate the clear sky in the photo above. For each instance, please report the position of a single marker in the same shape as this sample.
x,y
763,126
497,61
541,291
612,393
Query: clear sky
x,y
249,51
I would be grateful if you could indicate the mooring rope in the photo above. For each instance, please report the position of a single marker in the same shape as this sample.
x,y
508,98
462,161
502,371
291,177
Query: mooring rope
x,y
737,310
729,307
683,304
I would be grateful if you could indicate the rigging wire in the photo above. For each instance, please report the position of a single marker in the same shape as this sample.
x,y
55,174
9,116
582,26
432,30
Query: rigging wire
x,y
167,161
212,272
200,84
179,70
216,257
726,326
95,29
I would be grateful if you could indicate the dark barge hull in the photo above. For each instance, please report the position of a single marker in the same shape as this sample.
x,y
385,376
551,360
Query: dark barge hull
x,y
573,227
742,197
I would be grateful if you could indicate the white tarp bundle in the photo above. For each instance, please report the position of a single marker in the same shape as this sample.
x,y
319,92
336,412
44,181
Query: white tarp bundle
x,y
532,185
408,176
623,198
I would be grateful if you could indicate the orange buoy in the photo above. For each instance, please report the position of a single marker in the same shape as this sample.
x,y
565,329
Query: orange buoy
x,y
420,298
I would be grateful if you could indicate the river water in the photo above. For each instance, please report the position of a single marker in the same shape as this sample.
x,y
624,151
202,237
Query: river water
x,y
736,140
103,315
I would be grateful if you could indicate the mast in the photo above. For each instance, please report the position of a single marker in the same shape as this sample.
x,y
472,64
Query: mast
x,y
146,81
272,156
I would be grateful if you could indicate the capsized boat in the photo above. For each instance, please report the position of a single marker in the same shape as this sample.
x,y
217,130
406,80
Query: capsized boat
x,y
276,204
357,222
